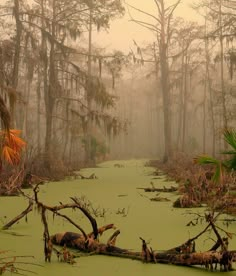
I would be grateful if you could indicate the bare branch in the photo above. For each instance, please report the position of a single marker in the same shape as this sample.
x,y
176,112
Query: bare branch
x,y
158,6
143,12
146,25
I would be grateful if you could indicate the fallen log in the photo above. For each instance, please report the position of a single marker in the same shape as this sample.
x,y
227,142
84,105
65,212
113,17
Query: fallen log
x,y
89,243
92,176
164,189
209,259
160,199
184,254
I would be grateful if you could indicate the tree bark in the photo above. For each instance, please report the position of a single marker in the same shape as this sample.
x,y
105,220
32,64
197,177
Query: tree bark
x,y
16,61
89,87
209,90
172,256
50,94
185,100
164,68
224,109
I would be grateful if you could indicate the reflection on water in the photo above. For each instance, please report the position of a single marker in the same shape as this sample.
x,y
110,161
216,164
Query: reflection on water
x,y
115,193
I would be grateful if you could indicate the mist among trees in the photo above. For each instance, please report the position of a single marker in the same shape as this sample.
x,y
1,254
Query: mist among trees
x,y
77,103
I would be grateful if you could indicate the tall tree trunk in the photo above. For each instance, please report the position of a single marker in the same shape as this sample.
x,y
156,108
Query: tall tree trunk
x,y
156,101
27,100
224,110
16,60
185,101
164,66
67,109
180,110
212,117
204,116
209,89
42,75
88,129
49,96
38,110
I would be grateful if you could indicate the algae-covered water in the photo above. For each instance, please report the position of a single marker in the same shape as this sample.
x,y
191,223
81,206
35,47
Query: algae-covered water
x,y
116,200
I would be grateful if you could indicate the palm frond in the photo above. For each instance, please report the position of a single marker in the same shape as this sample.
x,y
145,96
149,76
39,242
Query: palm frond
x,y
231,163
205,159
11,146
10,155
14,141
230,137
219,165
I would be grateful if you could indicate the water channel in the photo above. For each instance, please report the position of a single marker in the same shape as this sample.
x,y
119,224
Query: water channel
x,y
116,197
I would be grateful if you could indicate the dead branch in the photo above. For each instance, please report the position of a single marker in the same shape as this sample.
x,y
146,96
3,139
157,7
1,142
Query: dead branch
x,y
20,216
112,240
164,189
88,215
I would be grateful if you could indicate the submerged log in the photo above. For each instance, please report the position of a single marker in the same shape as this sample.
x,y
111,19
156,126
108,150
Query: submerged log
x,y
160,199
92,176
164,189
209,259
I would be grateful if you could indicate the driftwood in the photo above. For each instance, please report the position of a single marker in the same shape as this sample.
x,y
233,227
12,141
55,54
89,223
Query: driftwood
x,y
184,254
177,257
160,199
164,189
92,176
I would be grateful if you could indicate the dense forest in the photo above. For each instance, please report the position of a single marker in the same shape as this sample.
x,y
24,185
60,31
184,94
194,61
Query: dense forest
x,y
76,103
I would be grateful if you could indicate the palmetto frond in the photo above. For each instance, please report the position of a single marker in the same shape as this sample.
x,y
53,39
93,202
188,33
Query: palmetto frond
x,y
11,146
205,159
10,156
219,165
230,138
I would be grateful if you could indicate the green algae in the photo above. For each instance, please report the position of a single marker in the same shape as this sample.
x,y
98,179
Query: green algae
x,y
134,214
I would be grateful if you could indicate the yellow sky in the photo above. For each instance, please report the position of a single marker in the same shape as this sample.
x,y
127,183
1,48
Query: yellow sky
x,y
122,31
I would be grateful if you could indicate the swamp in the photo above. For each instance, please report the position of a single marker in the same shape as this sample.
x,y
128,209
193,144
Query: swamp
x,y
131,212
117,137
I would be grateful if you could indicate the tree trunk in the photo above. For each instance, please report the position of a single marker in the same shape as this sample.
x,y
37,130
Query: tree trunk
x,y
204,115
164,68
16,61
209,89
88,128
172,256
38,90
180,110
185,101
224,109
67,109
50,95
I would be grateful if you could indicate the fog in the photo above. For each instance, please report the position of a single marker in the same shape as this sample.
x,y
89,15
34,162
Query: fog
x,y
123,31
92,80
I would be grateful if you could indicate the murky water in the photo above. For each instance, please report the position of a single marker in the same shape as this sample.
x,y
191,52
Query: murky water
x,y
113,191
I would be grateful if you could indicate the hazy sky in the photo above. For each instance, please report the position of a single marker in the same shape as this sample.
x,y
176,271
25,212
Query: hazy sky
x,y
122,31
